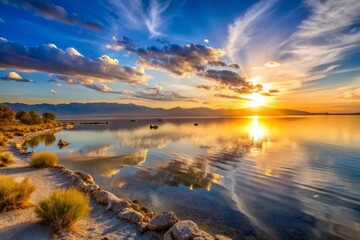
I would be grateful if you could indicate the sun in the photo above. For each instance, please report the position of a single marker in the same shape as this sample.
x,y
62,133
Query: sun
x,y
256,100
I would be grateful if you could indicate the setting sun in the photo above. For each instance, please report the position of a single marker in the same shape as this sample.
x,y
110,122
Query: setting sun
x,y
256,100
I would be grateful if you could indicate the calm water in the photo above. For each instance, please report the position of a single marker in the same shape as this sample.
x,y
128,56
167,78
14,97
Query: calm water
x,y
278,178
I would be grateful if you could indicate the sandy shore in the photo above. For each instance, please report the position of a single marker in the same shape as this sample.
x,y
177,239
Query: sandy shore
x,y
23,223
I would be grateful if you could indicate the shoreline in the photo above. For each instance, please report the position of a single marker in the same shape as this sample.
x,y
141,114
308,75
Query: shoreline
x,y
145,220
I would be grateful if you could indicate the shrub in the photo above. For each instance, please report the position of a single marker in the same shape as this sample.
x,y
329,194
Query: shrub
x,y
63,208
5,160
44,159
14,194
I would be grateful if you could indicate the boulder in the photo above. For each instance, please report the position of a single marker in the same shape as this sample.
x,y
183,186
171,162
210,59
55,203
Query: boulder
x,y
86,177
162,221
131,215
90,188
62,143
118,204
141,227
102,196
186,230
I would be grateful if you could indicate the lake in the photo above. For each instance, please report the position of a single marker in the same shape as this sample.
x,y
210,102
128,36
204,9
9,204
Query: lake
x,y
251,177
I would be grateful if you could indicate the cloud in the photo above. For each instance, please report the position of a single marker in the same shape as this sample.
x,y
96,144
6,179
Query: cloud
x,y
272,64
174,58
206,40
2,21
13,76
53,12
153,93
49,58
269,64
191,59
53,92
232,97
139,16
321,40
242,30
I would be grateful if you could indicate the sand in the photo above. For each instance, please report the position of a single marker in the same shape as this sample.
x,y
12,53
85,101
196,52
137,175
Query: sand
x,y
23,223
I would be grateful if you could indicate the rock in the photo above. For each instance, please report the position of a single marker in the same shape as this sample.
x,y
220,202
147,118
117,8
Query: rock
x,y
131,215
186,230
90,188
62,143
118,204
162,221
142,227
86,177
102,196
222,237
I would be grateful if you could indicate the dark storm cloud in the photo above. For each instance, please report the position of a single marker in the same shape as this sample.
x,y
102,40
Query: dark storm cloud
x,y
49,58
53,12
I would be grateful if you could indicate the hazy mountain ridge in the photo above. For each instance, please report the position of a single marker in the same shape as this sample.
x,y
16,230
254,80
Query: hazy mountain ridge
x,y
118,109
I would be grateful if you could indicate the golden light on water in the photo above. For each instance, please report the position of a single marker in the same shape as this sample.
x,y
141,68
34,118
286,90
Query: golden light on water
x,y
256,132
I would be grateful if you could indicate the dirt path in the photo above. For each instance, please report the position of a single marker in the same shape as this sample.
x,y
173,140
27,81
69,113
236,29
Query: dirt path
x,y
23,223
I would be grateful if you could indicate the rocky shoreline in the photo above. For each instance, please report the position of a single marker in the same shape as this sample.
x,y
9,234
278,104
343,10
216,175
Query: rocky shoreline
x,y
124,208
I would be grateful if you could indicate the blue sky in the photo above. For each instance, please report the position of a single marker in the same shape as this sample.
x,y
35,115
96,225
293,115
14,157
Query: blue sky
x,y
218,54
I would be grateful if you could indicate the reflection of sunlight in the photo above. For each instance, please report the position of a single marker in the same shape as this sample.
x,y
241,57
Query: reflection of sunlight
x,y
256,131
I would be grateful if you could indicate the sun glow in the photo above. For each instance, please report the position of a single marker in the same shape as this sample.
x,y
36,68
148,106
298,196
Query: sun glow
x,y
256,100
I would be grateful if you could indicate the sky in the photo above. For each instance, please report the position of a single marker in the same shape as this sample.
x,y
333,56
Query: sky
x,y
301,55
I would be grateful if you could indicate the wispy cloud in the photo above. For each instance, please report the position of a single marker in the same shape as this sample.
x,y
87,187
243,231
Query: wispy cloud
x,y
14,76
314,49
244,28
138,16
322,40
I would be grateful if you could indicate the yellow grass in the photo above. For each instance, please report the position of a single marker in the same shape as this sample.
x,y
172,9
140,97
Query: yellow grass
x,y
63,208
5,159
14,194
44,159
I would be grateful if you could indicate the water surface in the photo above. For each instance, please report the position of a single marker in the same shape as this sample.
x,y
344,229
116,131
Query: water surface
x,y
254,178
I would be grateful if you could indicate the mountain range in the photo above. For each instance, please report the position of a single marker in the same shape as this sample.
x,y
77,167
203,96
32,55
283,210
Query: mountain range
x,y
128,110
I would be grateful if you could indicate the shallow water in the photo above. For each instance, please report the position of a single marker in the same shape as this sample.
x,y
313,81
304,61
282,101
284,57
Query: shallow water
x,y
278,178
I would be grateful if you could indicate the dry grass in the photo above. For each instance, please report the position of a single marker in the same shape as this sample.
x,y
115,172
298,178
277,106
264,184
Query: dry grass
x,y
6,159
44,159
63,208
14,195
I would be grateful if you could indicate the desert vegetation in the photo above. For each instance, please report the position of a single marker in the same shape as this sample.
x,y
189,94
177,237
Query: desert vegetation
x,y
44,159
13,194
6,159
63,208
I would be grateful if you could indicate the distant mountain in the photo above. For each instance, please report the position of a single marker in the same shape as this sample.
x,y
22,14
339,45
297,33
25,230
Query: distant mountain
x,y
121,110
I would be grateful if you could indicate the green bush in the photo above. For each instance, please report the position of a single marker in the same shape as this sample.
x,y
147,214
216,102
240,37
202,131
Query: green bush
x,y
44,159
63,208
5,160
14,194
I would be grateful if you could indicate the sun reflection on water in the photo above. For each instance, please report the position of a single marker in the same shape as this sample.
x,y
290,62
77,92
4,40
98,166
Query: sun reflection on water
x,y
256,132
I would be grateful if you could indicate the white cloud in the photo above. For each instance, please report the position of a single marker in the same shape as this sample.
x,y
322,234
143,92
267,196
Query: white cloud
x,y
53,92
206,40
138,16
